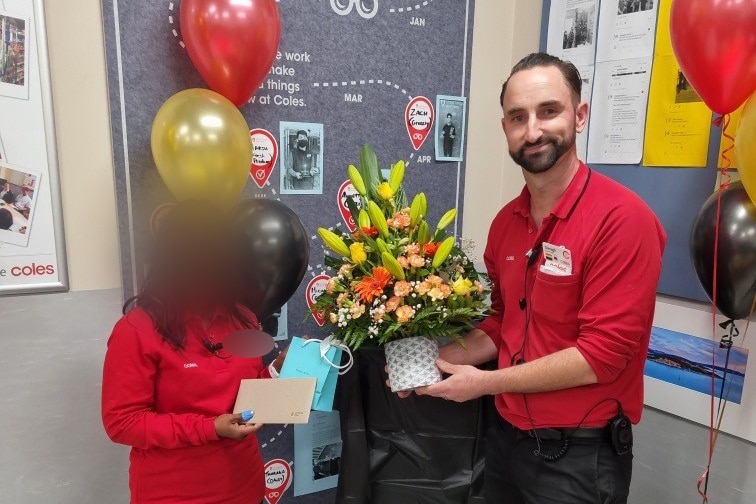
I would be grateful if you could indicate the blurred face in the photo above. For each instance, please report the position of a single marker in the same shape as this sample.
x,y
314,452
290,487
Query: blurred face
x,y
6,187
302,142
198,260
25,191
541,118
448,120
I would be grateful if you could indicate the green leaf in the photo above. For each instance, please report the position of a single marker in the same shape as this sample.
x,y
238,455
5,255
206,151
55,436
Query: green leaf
x,y
369,169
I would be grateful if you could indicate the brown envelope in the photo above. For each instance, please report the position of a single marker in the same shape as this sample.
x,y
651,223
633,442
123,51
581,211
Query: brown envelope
x,y
277,400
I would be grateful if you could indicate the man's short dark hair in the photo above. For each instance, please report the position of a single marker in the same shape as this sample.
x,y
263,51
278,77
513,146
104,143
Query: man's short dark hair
x,y
540,59
449,114
302,132
6,219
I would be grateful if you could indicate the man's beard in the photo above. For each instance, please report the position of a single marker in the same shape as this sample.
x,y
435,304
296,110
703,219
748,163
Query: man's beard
x,y
544,160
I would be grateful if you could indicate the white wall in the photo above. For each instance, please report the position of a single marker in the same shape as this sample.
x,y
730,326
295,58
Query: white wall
x,y
504,33
82,124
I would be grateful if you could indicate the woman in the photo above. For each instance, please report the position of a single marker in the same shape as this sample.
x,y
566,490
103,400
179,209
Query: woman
x,y
168,388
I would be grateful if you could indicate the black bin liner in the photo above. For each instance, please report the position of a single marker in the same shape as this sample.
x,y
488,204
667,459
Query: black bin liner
x,y
419,450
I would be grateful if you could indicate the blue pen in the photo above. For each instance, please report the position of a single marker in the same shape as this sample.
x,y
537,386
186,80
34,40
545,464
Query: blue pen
x,y
247,415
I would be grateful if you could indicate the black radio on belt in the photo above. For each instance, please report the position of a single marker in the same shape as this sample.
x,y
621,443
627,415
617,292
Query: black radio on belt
x,y
621,431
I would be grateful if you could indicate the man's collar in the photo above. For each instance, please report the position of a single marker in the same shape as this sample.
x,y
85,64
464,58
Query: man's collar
x,y
566,202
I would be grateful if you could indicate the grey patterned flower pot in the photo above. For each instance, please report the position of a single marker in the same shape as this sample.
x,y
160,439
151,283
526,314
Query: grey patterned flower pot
x,y
412,363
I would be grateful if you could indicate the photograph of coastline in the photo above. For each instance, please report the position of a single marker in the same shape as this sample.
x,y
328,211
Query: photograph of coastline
x,y
686,361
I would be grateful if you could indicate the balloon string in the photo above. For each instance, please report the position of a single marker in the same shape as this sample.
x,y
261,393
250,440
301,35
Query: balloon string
x,y
726,161
724,182
729,386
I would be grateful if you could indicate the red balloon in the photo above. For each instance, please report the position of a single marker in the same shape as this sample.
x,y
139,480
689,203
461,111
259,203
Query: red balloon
x,y
232,43
715,44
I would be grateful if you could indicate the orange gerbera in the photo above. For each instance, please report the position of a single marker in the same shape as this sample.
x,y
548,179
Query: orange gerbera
x,y
371,231
371,287
429,249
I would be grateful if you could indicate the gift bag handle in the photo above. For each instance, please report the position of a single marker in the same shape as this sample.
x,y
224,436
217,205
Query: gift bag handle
x,y
326,345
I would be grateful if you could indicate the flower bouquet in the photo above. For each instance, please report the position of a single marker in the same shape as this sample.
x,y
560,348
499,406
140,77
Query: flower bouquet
x,y
399,282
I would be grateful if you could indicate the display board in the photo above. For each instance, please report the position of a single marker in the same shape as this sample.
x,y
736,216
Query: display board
x,y
674,194
348,72
32,251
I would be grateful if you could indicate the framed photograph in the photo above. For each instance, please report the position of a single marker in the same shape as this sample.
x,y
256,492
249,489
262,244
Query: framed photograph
x,y
14,50
686,361
301,147
18,188
450,127
32,241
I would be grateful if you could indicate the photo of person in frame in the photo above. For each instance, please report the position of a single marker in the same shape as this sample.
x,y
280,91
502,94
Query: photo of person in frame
x,y
450,127
301,158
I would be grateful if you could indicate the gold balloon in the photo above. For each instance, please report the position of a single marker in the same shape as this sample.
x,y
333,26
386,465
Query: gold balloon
x,y
745,147
201,146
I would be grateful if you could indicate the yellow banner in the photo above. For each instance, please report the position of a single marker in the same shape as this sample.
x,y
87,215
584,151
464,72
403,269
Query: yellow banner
x,y
677,121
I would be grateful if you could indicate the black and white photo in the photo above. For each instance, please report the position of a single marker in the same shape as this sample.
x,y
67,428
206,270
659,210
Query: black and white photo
x,y
631,6
301,147
325,461
450,127
579,27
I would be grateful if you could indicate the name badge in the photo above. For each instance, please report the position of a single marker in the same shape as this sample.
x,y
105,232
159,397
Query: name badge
x,y
558,260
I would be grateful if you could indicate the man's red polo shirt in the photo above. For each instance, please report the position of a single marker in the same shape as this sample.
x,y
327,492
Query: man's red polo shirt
x,y
605,308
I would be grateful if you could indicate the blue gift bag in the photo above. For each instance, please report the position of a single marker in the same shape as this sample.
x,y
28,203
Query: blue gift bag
x,y
319,359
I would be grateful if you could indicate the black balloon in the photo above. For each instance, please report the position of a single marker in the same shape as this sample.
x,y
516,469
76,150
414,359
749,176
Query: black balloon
x,y
736,257
274,253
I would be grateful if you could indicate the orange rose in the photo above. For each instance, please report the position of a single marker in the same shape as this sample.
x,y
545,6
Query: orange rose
x,y
412,249
403,262
434,280
357,310
402,289
417,261
423,288
393,303
404,314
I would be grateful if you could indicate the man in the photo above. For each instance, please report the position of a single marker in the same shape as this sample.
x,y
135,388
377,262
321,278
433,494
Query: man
x,y
6,194
23,200
448,134
301,165
6,219
574,262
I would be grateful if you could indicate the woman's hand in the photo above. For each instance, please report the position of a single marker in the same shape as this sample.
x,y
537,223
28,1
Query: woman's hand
x,y
280,360
233,427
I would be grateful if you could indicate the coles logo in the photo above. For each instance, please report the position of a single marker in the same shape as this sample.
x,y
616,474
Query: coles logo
x,y
33,269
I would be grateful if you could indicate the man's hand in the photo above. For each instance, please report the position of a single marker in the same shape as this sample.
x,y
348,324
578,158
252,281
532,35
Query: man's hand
x,y
404,394
233,427
464,384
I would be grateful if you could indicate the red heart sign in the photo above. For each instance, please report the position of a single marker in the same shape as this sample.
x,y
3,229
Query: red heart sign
x,y
418,117
277,480
315,288
264,155
346,192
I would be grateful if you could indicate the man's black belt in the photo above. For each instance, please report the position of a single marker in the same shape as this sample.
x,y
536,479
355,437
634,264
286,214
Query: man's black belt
x,y
598,433
573,433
